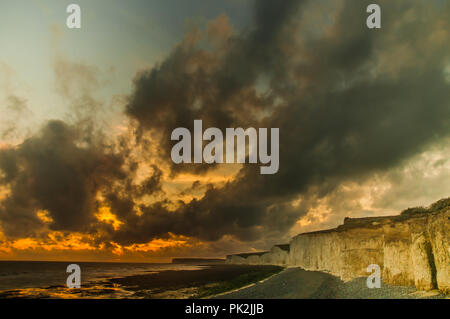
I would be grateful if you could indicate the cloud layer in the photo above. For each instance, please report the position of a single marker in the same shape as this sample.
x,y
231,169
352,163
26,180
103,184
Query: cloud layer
x,y
350,103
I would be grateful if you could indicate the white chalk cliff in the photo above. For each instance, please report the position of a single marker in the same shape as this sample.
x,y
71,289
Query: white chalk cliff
x,y
411,249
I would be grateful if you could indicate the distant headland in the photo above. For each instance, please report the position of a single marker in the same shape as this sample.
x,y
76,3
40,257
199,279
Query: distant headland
x,y
197,261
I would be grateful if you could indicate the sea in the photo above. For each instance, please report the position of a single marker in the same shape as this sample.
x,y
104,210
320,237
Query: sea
x,y
43,279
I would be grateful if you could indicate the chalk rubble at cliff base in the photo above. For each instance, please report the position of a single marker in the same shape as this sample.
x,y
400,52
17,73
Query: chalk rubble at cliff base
x,y
412,249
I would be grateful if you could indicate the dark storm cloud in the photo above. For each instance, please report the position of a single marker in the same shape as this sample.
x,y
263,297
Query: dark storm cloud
x,y
351,101
54,171
194,83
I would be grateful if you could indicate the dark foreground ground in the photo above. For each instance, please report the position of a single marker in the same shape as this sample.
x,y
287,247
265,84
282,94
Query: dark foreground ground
x,y
226,281
301,284
201,283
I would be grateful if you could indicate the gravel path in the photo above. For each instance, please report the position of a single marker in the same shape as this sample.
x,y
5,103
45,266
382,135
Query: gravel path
x,y
299,284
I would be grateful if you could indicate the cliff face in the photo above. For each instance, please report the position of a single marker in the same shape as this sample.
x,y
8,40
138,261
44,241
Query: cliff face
x,y
411,249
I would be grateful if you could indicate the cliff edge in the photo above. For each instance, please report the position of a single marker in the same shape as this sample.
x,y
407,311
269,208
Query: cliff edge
x,y
412,248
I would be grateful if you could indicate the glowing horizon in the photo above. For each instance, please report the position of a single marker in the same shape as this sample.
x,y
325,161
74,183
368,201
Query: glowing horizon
x,y
85,167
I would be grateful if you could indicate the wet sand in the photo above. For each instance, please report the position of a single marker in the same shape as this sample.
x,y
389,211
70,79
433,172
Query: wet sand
x,y
200,281
192,283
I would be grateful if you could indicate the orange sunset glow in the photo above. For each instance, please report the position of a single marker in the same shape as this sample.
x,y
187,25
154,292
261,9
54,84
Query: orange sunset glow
x,y
87,171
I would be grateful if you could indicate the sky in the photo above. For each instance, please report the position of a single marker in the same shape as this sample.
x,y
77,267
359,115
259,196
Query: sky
x,y
87,114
